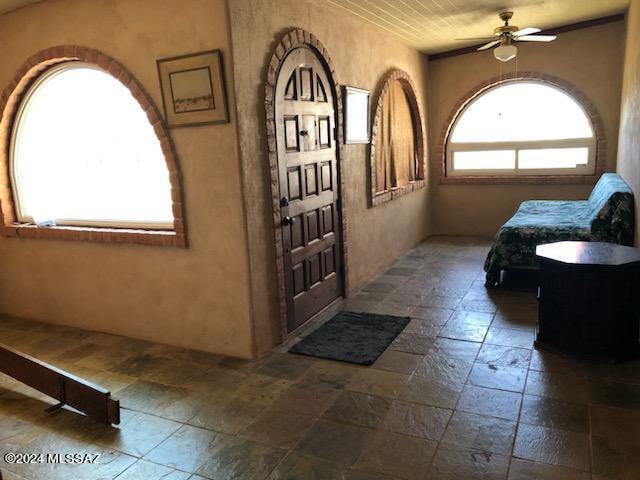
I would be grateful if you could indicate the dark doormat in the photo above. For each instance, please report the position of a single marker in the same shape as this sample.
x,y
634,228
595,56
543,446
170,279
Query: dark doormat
x,y
352,337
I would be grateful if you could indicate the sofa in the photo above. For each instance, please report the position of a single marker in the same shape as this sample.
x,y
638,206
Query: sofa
x,y
607,216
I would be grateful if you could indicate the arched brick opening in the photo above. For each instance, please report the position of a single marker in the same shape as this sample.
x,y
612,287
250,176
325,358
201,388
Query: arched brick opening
x,y
293,39
566,87
10,101
410,90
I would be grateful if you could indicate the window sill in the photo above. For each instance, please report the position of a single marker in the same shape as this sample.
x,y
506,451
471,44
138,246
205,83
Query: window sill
x,y
520,180
383,197
167,238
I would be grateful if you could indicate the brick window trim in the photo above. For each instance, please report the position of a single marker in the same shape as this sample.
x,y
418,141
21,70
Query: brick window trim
x,y
409,87
291,40
10,101
561,84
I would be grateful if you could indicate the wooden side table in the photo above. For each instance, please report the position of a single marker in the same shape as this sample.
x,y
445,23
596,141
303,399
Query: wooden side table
x,y
589,298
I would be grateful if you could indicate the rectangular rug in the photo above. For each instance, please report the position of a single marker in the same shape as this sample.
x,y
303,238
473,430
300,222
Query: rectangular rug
x,y
352,337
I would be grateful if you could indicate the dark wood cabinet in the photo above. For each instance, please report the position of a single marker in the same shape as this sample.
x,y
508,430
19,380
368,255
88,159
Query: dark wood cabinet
x,y
589,298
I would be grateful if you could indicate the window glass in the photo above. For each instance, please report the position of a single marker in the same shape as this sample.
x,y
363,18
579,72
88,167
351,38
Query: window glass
x,y
522,127
84,153
490,159
522,111
553,157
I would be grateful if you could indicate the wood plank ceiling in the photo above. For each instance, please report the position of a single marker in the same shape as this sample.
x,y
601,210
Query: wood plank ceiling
x,y
433,25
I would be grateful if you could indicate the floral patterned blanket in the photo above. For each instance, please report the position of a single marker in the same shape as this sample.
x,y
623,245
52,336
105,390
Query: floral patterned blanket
x,y
607,216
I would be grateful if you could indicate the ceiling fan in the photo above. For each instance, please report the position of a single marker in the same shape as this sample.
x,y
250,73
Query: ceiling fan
x,y
505,35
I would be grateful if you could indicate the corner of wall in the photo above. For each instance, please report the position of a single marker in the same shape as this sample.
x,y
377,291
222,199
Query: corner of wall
x,y
628,159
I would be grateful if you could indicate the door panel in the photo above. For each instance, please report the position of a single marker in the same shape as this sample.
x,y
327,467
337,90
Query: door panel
x,y
308,133
308,172
324,132
291,133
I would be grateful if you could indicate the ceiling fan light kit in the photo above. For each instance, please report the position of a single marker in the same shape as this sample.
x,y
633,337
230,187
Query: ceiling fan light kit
x,y
505,35
504,53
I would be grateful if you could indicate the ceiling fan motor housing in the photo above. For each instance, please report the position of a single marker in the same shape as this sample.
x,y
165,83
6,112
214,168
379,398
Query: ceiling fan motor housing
x,y
506,29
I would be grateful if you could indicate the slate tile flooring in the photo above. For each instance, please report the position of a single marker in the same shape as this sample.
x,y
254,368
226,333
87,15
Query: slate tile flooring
x,y
461,394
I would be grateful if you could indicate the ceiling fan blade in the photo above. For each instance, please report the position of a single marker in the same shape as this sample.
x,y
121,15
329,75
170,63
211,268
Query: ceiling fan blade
x,y
537,38
488,45
526,31
477,38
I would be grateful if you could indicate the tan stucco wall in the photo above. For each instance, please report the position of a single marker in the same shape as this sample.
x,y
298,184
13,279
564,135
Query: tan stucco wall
x,y
198,297
629,142
590,59
361,56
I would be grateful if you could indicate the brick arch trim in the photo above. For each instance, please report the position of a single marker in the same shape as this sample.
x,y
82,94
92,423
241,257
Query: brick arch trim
x,y
409,88
559,83
10,101
293,39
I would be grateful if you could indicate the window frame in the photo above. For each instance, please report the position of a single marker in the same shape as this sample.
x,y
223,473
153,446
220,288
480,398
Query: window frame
x,y
526,176
15,133
12,98
589,142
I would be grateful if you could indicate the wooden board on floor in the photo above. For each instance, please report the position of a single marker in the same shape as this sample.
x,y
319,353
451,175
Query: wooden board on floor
x,y
68,389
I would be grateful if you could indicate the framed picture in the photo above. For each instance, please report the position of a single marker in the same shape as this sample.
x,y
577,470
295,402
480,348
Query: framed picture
x,y
193,89
356,115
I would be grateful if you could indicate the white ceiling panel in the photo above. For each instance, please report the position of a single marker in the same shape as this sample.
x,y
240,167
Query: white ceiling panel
x,y
433,25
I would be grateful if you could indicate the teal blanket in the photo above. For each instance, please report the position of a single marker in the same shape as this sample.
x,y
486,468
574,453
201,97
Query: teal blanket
x,y
607,216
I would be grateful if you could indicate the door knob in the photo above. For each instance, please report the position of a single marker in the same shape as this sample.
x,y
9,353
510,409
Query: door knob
x,y
304,133
285,201
288,221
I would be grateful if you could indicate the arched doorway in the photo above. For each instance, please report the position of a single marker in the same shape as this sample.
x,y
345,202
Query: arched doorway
x,y
306,184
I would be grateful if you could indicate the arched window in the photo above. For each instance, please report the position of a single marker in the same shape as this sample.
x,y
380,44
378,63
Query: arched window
x,y
395,158
397,152
83,153
521,128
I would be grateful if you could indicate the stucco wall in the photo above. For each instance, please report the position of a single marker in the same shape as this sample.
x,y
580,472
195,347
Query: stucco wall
x,y
590,59
198,297
361,56
629,142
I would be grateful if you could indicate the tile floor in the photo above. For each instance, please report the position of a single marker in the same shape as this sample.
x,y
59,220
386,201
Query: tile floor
x,y
459,395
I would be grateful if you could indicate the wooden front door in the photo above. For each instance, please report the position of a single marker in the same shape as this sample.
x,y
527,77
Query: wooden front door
x,y
309,192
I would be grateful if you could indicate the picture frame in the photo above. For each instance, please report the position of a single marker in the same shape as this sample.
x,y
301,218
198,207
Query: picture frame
x,y
357,121
193,89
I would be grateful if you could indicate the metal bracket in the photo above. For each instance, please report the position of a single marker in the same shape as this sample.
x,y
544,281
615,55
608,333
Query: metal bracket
x,y
62,396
